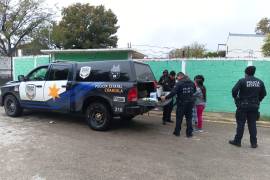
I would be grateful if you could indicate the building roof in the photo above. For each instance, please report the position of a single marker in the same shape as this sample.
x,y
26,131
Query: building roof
x,y
135,54
247,35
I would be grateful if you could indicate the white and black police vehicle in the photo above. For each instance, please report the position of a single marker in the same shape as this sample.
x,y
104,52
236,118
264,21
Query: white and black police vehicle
x,y
101,90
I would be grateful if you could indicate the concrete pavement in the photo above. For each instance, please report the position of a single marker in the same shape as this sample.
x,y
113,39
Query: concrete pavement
x,y
32,148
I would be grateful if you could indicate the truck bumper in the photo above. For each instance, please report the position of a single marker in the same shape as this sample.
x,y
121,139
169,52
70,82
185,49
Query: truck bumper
x,y
143,106
136,110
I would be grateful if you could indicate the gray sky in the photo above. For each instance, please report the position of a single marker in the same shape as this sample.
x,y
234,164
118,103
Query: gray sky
x,y
174,23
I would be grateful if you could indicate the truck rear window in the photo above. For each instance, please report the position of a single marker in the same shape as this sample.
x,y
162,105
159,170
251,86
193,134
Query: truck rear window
x,y
104,72
143,72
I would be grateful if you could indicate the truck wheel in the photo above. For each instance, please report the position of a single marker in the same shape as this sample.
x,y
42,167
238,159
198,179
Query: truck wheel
x,y
98,116
12,106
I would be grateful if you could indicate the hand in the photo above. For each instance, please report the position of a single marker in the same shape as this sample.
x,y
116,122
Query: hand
x,y
163,98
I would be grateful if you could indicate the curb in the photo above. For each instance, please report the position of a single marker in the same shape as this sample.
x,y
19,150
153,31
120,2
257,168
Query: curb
x,y
212,118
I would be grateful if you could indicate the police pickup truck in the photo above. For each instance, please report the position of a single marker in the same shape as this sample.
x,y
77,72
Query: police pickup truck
x,y
101,90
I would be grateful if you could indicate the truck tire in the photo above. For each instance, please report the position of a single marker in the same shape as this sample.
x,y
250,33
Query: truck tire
x,y
12,106
98,116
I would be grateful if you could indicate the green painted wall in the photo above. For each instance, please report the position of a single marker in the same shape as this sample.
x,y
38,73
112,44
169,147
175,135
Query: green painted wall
x,y
83,57
158,66
263,69
220,77
23,65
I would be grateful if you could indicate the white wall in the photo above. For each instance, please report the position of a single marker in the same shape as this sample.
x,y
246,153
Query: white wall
x,y
245,46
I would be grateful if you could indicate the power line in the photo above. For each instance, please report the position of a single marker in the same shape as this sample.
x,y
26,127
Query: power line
x,y
154,46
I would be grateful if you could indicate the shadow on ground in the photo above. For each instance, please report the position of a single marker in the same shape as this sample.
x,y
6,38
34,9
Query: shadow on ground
x,y
79,120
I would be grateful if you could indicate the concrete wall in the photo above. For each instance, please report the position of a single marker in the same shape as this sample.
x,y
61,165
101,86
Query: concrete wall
x,y
5,67
245,45
23,65
220,77
5,70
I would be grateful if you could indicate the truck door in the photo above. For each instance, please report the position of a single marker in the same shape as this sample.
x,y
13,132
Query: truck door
x,y
31,90
56,89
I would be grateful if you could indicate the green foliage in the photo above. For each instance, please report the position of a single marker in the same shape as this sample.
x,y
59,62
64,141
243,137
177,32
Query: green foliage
x,y
195,50
263,26
211,54
215,54
41,39
266,46
84,26
18,20
177,53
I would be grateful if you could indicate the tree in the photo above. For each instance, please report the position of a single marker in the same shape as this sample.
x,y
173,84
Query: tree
x,y
84,26
35,46
263,26
266,46
177,53
18,20
194,50
41,39
215,54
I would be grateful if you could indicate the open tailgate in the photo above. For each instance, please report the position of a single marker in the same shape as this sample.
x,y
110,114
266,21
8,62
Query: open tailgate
x,y
147,102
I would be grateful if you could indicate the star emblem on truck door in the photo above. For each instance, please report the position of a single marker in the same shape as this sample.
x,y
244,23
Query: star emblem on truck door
x,y
54,92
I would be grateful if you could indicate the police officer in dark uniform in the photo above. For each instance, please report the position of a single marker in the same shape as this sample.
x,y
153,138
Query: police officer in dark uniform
x,y
167,110
167,81
184,89
163,80
247,93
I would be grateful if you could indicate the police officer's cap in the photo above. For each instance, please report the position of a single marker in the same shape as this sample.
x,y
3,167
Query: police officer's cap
x,y
250,70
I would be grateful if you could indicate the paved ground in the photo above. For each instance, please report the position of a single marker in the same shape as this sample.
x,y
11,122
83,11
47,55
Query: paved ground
x,y
32,148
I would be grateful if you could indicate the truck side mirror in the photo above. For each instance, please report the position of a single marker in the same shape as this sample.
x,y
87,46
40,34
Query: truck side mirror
x,y
21,78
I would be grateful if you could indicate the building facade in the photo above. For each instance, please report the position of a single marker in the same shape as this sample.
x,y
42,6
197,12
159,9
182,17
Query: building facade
x,y
244,45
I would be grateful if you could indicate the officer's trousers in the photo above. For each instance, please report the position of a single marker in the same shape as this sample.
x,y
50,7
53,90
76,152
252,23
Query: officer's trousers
x,y
184,109
167,110
243,115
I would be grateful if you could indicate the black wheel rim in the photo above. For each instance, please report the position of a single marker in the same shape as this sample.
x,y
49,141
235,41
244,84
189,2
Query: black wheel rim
x,y
97,116
10,106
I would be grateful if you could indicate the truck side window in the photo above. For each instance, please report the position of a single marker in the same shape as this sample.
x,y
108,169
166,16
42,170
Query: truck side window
x,y
58,72
38,74
106,72
143,72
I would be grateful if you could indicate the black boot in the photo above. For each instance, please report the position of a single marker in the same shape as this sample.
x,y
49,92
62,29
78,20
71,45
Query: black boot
x,y
176,134
233,142
254,145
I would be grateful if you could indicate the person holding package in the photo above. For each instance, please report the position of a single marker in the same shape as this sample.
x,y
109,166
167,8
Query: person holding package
x,y
184,89
167,81
167,110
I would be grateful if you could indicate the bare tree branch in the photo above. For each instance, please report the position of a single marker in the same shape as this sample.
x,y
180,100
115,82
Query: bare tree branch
x,y
18,19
